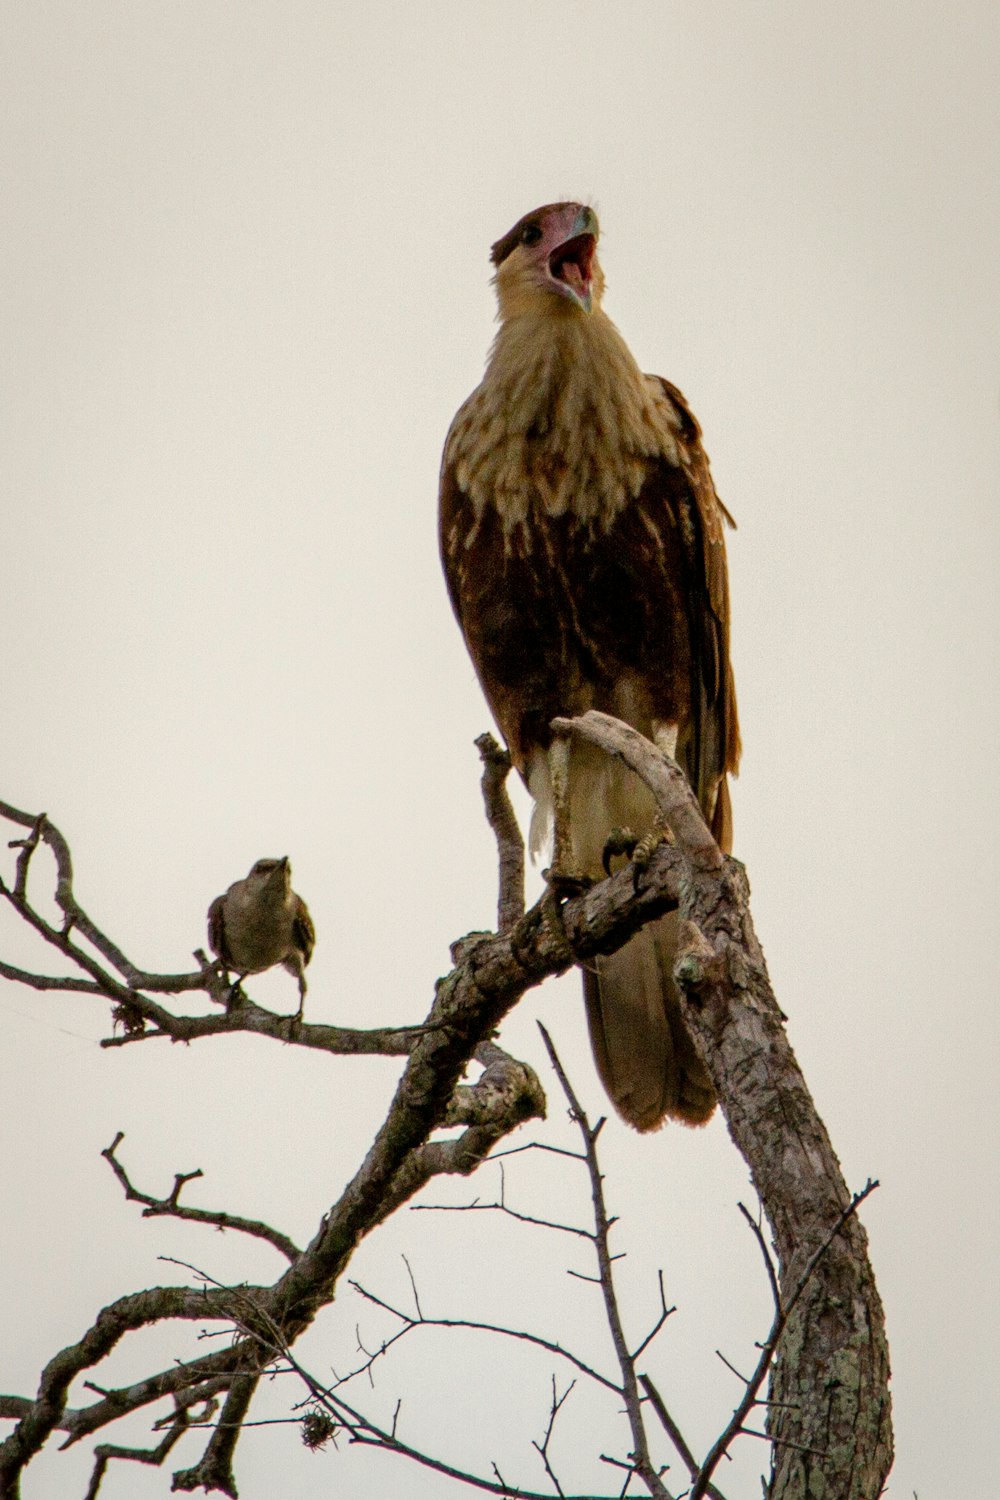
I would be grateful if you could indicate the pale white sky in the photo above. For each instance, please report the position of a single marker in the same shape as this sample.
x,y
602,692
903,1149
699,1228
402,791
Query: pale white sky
x,y
244,287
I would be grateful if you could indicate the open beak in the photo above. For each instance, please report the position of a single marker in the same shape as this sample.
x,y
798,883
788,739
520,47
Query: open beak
x,y
571,268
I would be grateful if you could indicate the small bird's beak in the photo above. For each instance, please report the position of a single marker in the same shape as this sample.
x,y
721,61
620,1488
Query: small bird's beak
x,y
280,877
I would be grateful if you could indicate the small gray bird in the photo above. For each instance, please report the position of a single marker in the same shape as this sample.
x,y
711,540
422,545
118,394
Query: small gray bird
x,y
260,922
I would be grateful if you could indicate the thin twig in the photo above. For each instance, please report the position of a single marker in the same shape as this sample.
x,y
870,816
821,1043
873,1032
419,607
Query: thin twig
x,y
49,981
758,1234
640,1455
361,1430
665,1313
539,1146
156,1207
674,1433
482,1208
550,1345
542,1448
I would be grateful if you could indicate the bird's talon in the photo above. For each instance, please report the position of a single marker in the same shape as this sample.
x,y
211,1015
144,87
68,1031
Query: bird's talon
x,y
646,847
619,841
564,884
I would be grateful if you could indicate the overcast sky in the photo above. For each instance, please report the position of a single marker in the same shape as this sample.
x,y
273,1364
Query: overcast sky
x,y
244,286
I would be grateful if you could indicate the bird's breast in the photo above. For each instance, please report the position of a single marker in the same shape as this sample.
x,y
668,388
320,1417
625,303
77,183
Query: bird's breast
x,y
584,452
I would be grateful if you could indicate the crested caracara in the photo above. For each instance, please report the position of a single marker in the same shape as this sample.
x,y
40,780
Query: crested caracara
x,y
582,542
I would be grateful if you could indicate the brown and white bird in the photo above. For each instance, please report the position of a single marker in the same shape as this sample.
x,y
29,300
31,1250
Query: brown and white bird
x,y
582,542
260,922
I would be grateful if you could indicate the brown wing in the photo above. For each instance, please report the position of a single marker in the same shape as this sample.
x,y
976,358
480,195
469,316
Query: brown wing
x,y
303,930
633,620
711,748
217,928
509,603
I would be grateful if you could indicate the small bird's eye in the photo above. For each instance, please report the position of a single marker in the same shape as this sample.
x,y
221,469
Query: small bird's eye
x,y
530,234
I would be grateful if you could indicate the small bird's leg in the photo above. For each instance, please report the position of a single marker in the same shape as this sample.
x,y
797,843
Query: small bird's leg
x,y
295,964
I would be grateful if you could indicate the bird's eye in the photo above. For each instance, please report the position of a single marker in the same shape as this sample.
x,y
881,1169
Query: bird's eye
x,y
530,234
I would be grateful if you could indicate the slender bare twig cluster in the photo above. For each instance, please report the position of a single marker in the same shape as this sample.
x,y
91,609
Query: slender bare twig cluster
x,y
633,1388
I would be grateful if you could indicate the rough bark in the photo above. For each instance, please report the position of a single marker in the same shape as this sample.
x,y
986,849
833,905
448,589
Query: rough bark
x,y
830,1414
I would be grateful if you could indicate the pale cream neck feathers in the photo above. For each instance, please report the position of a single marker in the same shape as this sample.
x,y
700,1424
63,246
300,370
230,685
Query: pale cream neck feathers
x,y
564,420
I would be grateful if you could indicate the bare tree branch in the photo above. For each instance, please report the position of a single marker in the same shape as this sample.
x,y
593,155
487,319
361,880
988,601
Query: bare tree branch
x,y
837,1322
675,1435
421,1321
831,1315
49,981
665,1313
468,1006
543,1447
74,915
215,1469
105,1452
361,1429
510,845
156,1207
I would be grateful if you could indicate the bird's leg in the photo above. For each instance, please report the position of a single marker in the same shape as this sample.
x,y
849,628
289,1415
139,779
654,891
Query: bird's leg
x,y
295,964
237,994
562,876
562,880
562,842
302,996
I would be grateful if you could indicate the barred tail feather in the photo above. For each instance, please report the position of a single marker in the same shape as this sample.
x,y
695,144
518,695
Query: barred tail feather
x,y
643,1051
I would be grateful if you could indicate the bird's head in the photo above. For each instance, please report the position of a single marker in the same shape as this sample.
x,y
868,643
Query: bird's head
x,y
548,263
273,874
